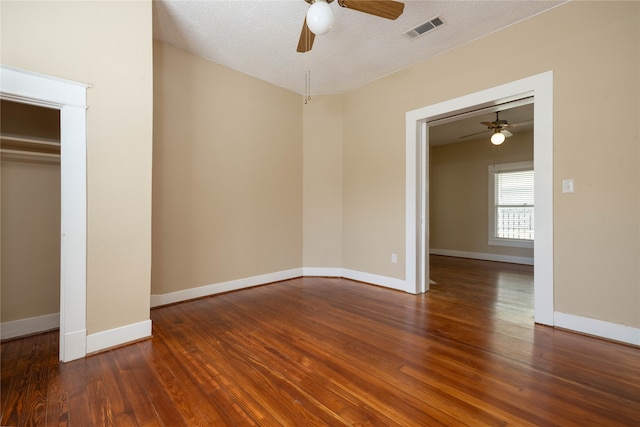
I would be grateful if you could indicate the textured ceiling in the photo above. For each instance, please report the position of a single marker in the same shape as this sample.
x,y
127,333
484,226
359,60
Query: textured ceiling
x,y
259,37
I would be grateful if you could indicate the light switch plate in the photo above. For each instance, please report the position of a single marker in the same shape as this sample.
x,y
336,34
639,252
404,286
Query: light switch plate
x,y
567,186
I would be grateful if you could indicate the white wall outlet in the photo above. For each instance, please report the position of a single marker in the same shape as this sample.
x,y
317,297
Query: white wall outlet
x,y
394,258
567,186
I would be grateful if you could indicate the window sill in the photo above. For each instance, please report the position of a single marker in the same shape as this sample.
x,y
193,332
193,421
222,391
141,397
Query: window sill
x,y
511,243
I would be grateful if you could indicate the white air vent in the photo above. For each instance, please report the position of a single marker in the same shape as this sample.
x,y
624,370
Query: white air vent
x,y
423,28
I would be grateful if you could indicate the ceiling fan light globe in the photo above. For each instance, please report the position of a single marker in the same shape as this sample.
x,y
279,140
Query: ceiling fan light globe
x,y
320,17
497,138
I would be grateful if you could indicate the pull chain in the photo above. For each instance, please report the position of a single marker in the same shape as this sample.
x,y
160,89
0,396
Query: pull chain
x,y
307,75
307,86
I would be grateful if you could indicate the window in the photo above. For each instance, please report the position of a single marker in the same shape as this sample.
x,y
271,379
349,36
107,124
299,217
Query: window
x,y
511,193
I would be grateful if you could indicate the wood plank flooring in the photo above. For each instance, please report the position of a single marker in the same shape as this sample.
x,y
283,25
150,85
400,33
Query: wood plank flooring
x,y
332,352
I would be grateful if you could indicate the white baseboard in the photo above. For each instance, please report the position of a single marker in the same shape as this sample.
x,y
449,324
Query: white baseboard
x,y
31,325
483,256
233,285
75,346
118,336
321,272
374,279
598,328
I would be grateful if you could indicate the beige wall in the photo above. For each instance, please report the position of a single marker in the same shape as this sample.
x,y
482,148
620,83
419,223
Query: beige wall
x,y
593,50
374,182
30,239
459,193
30,217
227,189
107,45
322,171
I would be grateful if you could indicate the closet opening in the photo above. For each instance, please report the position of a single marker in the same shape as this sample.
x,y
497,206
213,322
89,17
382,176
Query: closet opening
x,y
30,218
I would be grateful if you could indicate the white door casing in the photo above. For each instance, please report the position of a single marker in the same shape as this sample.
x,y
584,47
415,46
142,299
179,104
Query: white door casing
x,y
70,98
539,86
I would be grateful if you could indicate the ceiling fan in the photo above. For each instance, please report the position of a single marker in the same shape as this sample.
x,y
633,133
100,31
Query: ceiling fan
x,y
320,17
498,127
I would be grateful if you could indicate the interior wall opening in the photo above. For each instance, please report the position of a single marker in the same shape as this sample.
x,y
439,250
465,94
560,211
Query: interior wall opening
x,y
540,88
462,209
31,206
461,157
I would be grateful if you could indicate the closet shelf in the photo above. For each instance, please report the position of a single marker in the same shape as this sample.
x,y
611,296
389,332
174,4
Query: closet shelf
x,y
20,148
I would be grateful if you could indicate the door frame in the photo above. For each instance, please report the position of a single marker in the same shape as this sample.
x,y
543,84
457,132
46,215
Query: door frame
x,y
70,98
539,86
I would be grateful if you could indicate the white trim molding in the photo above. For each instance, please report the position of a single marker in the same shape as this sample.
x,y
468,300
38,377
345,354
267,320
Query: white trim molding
x,y
75,345
28,326
71,99
484,256
321,272
158,300
598,328
118,336
375,279
40,89
217,288
540,86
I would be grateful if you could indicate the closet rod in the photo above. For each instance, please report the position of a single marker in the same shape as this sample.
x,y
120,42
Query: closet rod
x,y
29,156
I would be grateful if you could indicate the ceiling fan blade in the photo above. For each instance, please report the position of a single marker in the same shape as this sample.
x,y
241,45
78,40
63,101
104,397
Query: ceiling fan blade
x,y
525,123
506,133
490,125
476,133
306,38
383,8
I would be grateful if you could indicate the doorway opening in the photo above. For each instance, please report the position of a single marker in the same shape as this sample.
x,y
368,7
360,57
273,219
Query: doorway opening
x,y
70,99
540,89
469,216
30,155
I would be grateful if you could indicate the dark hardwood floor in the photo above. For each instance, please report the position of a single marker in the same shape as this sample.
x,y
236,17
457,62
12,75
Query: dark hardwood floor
x,y
326,351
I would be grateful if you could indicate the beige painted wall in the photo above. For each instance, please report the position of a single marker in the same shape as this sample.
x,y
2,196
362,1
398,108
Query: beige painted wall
x,y
593,50
227,189
30,239
373,183
459,193
322,178
107,45
30,217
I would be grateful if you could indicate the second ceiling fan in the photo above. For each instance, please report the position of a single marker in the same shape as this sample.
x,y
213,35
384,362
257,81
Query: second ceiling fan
x,y
320,17
499,129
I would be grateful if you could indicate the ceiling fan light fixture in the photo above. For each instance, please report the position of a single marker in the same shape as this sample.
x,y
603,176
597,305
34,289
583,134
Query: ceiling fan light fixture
x,y
320,17
498,137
